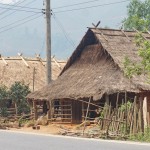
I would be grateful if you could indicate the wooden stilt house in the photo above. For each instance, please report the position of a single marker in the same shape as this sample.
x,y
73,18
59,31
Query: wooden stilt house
x,y
94,73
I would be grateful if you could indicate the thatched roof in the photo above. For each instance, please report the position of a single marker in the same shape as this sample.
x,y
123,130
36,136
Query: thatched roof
x,y
16,69
96,67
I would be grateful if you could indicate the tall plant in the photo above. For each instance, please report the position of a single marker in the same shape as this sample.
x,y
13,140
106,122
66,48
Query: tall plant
x,y
4,94
138,15
18,93
142,67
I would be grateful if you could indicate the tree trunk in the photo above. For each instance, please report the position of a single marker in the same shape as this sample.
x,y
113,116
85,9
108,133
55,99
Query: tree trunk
x,y
16,109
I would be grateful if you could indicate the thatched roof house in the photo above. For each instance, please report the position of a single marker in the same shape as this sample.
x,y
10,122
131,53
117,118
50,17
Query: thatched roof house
x,y
96,67
95,70
25,69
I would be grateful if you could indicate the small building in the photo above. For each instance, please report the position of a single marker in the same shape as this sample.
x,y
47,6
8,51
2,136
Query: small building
x,y
95,72
31,71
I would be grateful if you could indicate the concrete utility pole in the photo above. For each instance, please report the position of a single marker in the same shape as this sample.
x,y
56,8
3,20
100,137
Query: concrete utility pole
x,y
48,40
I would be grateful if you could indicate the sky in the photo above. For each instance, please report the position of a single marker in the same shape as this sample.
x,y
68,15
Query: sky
x,y
24,31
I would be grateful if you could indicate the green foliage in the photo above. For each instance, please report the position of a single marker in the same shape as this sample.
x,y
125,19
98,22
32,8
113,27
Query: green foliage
x,y
3,100
138,15
144,52
3,111
123,106
145,137
142,67
131,68
3,95
139,18
18,93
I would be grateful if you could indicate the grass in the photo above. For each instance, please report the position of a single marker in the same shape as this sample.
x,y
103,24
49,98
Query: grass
x,y
142,137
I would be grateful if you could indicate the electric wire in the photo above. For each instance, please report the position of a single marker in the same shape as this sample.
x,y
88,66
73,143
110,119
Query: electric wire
x,y
94,6
87,2
4,17
17,21
21,23
20,6
63,30
5,11
20,10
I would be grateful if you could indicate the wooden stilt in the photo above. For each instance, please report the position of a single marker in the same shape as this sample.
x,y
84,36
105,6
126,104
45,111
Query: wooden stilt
x,y
117,101
135,116
141,123
87,114
126,113
35,110
145,111
50,110
107,99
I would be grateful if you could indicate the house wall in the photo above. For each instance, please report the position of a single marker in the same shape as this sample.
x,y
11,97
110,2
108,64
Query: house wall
x,y
76,112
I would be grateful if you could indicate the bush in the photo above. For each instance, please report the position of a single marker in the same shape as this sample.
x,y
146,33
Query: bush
x,y
18,93
144,137
3,100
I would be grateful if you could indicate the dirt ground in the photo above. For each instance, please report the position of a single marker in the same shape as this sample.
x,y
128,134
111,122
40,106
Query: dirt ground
x,y
49,129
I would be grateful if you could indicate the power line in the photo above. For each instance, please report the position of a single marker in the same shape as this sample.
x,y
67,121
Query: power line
x,y
17,21
15,11
87,2
20,6
63,30
5,11
21,23
106,4
20,10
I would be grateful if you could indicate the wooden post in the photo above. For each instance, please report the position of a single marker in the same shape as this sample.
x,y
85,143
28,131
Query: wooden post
x,y
126,113
145,111
23,60
87,114
31,107
49,111
107,100
34,78
56,62
117,101
134,116
35,110
16,108
4,60
48,41
83,111
141,123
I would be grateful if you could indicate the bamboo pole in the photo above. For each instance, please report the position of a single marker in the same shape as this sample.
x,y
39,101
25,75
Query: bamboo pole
x,y
141,123
126,113
117,101
49,111
145,111
35,110
23,60
89,103
4,61
134,117
86,114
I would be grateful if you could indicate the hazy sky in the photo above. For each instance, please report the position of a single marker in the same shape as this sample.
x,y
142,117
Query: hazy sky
x,y
68,28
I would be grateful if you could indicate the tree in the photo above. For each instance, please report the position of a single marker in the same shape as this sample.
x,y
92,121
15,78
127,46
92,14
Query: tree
x,y
142,67
18,93
4,94
138,15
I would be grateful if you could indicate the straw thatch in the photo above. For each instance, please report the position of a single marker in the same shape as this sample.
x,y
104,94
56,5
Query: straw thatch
x,y
15,69
96,67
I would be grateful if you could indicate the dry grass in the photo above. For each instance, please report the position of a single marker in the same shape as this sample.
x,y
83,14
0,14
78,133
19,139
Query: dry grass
x,y
96,67
16,70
